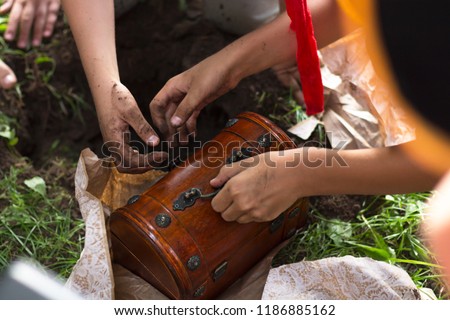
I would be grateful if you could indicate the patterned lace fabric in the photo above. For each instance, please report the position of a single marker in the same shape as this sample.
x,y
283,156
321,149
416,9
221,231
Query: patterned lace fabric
x,y
92,275
100,189
344,278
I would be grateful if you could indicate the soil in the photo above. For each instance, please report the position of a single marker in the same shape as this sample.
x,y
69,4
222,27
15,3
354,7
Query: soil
x,y
155,41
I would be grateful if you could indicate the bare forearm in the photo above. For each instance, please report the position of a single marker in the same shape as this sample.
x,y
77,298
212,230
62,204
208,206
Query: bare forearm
x,y
92,24
329,21
275,43
277,179
265,47
368,171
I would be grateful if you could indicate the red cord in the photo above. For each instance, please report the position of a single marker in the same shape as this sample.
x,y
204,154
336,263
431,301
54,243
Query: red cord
x,y
307,58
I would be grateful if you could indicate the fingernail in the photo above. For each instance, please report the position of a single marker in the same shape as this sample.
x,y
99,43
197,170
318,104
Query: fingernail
x,y
36,43
153,140
8,36
176,121
9,80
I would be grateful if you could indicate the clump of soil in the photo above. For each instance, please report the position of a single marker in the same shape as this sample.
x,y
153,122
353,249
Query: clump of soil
x,y
54,117
155,41
346,207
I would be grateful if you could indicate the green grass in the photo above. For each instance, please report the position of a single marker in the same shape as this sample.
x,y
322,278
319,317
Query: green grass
x,y
39,217
36,212
386,229
286,112
36,222
7,129
40,68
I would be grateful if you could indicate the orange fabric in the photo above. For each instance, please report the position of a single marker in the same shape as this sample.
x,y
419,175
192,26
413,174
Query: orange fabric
x,y
354,10
431,149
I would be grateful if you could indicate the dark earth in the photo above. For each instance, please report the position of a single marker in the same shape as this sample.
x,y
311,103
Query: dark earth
x,y
155,41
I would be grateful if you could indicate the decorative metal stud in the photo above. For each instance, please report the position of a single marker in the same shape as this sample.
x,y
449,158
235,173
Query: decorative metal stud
x,y
133,199
265,140
231,122
294,213
163,220
200,291
193,263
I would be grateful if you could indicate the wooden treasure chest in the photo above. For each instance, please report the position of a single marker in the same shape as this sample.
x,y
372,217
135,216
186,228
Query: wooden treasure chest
x,y
171,237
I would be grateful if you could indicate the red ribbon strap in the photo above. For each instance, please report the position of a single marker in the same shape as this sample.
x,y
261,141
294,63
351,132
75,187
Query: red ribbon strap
x,y
307,58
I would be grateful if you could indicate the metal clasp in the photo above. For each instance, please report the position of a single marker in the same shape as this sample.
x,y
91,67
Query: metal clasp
x,y
188,198
240,154
220,271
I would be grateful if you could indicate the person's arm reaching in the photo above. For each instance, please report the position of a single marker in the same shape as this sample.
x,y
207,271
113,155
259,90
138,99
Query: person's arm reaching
x,y
179,102
278,179
92,24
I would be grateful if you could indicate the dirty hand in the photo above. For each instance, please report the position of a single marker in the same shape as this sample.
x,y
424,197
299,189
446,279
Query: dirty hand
x,y
115,122
7,76
257,189
177,105
27,15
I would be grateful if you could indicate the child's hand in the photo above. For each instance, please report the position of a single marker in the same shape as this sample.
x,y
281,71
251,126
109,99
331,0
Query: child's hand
x,y
115,121
7,76
178,104
36,17
257,189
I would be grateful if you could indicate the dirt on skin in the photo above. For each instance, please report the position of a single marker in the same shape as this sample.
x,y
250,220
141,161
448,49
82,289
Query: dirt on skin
x,y
155,41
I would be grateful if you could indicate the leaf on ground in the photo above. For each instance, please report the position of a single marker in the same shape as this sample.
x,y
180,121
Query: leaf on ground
x,y
339,231
374,253
37,184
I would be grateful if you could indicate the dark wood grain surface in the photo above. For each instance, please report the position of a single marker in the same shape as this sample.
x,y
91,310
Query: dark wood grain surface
x,y
198,254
